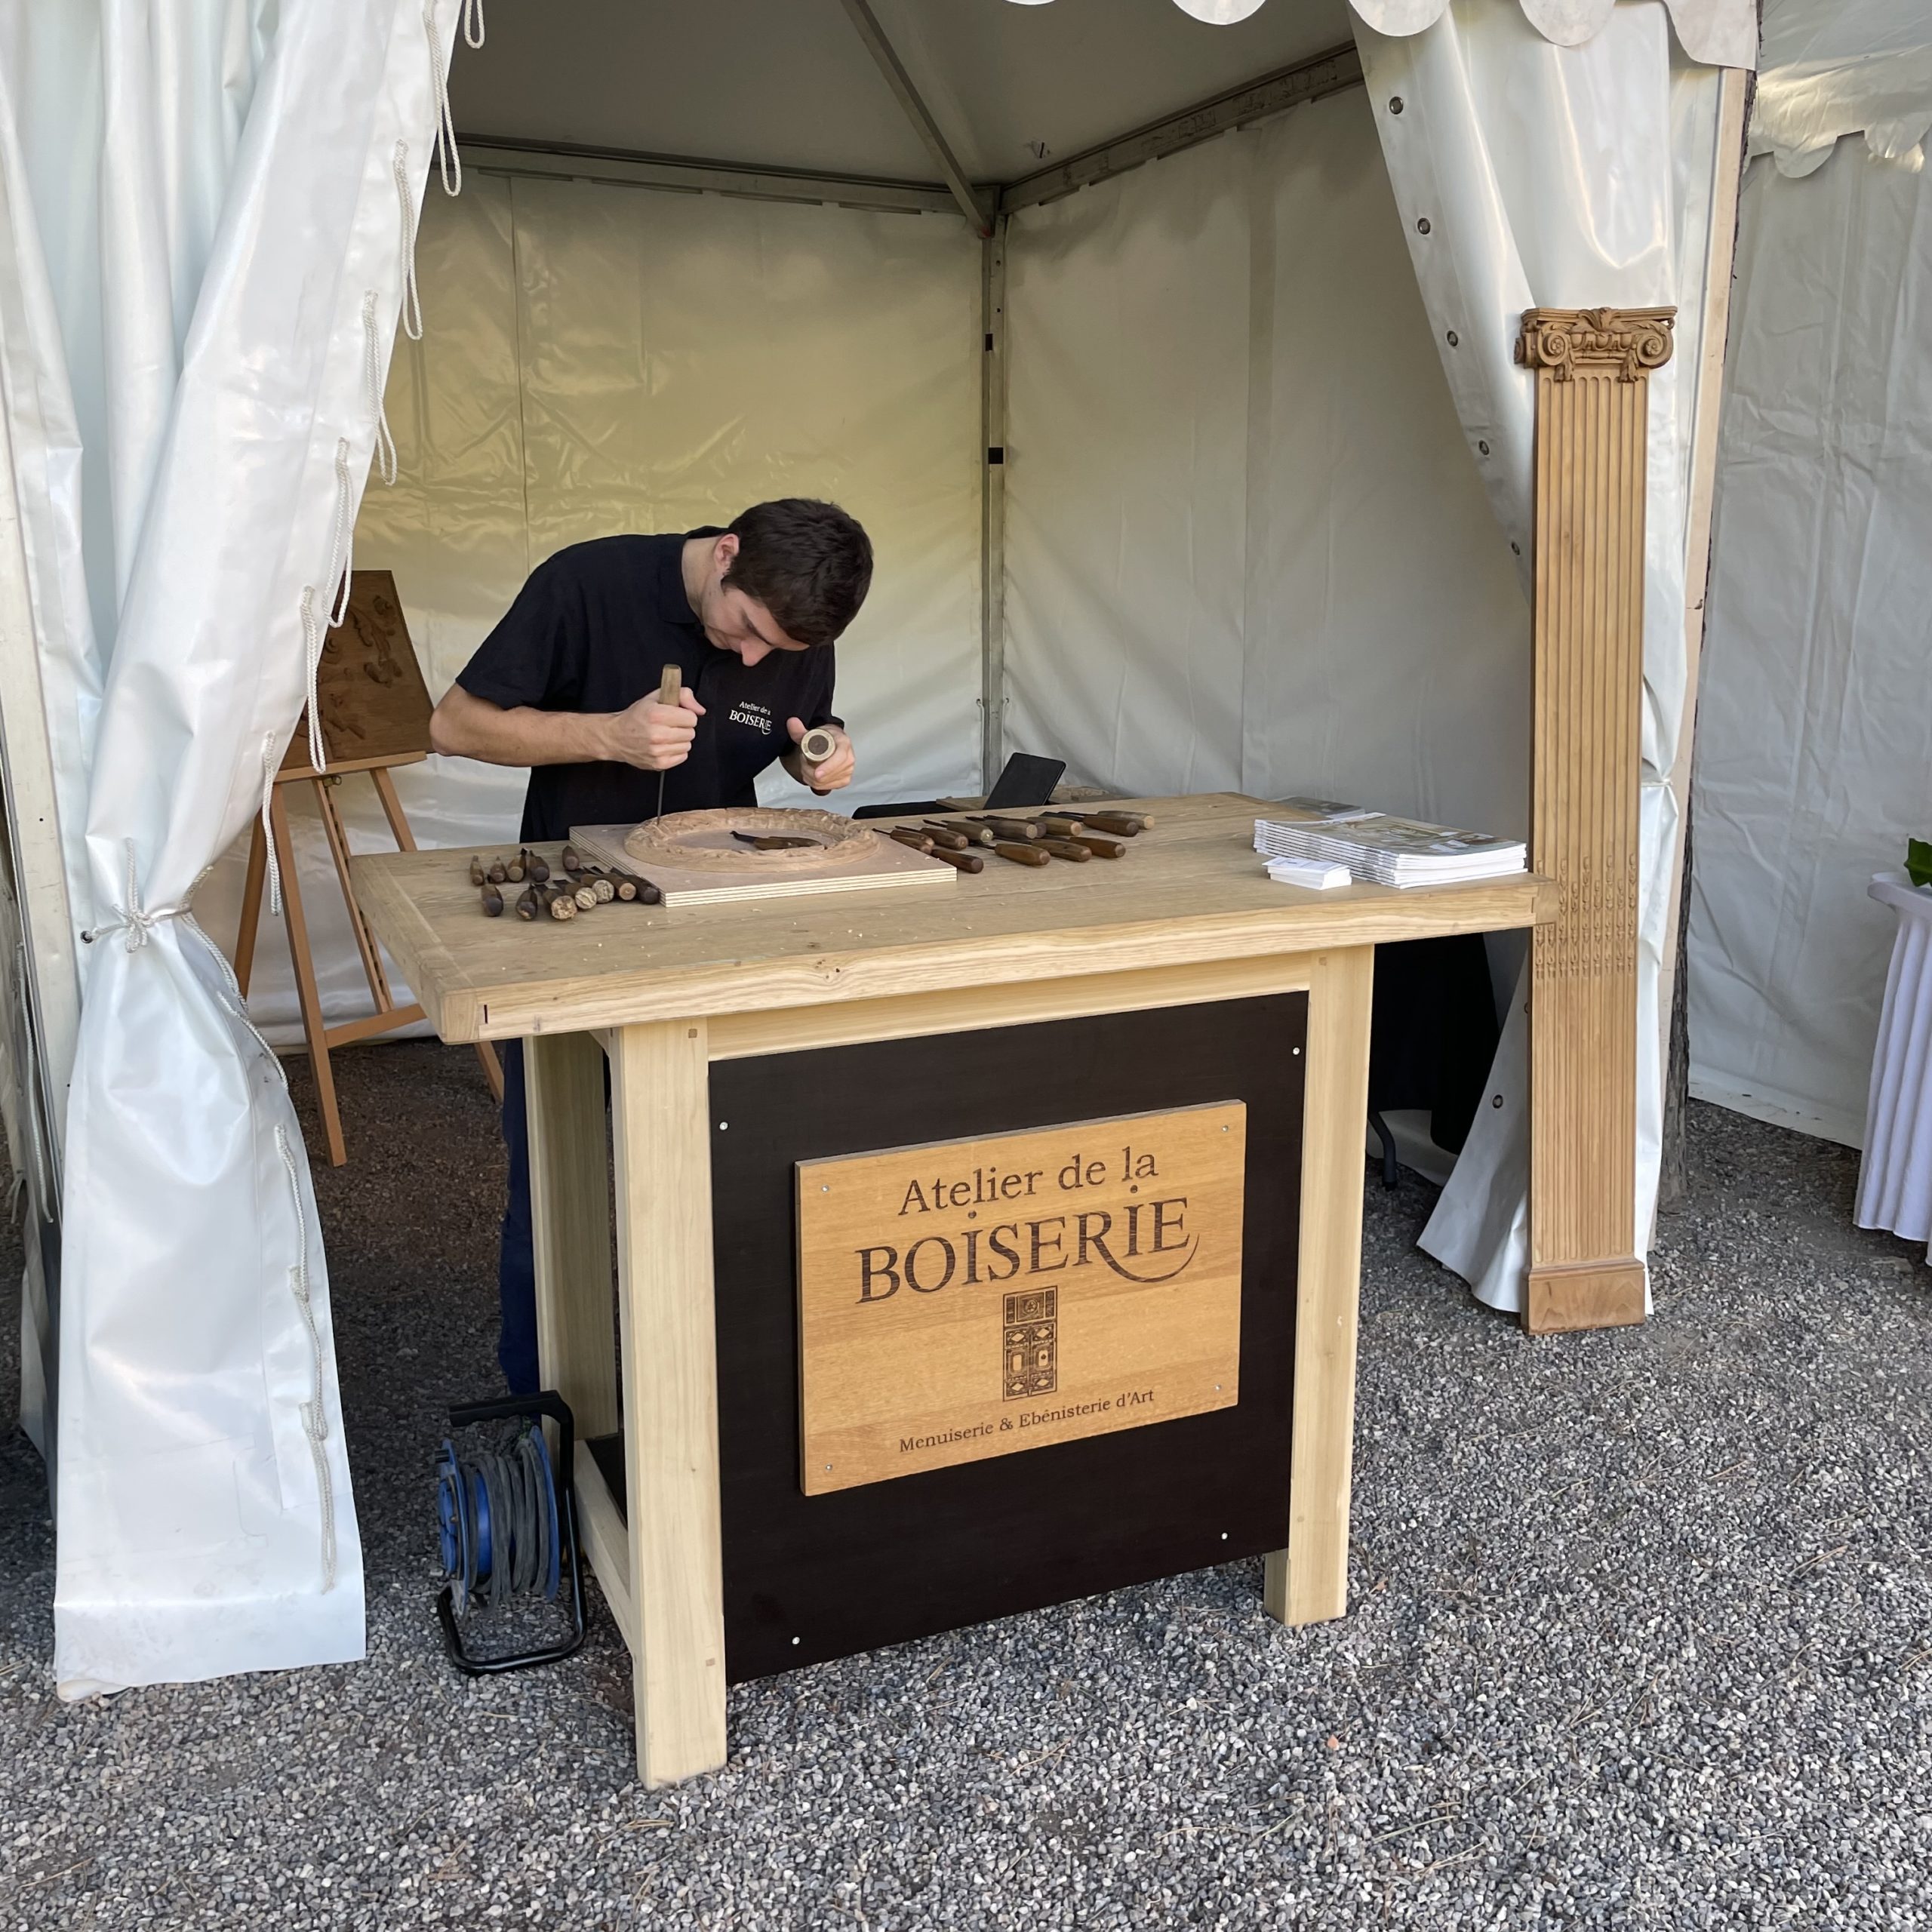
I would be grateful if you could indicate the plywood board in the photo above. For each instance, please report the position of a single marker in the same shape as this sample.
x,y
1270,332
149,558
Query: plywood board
x,y
882,865
375,707
966,1299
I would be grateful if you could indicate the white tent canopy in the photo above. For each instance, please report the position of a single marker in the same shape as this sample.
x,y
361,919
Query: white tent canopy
x,y
1250,538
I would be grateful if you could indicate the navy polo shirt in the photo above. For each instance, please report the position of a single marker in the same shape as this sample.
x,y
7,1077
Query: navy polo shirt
x,y
591,631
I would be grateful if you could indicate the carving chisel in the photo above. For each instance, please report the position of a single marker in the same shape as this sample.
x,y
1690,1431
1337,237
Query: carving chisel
x,y
668,688
1023,855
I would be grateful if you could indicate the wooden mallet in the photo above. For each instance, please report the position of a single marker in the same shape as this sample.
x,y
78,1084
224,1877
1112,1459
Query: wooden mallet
x,y
814,748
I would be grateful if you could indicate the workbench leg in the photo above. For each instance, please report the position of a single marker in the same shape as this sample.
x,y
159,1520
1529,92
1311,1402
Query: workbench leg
x,y
570,1212
662,1130
1309,1581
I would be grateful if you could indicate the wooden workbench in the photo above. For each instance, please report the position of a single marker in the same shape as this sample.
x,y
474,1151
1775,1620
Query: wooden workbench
x,y
670,1001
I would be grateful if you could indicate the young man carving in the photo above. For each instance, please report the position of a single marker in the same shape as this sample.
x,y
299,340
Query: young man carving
x,y
567,685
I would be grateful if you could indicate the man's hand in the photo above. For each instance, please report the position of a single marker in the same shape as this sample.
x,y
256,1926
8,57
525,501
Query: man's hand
x,y
650,735
653,737
834,774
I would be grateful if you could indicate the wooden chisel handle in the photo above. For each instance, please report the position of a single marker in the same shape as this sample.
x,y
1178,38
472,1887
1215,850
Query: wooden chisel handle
x,y
1122,825
1101,848
671,685
1065,848
944,834
908,835
966,861
977,835
1011,828
1022,855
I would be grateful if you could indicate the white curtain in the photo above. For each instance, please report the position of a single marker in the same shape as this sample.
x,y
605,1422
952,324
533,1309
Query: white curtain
x,y
206,204
1529,173
1815,734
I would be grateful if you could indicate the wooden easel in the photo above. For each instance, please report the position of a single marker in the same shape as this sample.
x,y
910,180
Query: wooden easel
x,y
375,716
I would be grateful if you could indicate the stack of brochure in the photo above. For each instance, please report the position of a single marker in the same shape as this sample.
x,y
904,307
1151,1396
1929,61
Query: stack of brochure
x,y
1388,851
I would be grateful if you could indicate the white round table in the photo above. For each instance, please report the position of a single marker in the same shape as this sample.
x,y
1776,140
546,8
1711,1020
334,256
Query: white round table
x,y
1895,1177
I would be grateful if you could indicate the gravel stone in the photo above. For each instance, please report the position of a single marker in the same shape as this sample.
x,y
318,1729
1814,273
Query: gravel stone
x,y
1641,1636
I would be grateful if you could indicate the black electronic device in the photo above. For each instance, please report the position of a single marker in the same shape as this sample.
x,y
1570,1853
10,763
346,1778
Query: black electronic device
x,y
1027,780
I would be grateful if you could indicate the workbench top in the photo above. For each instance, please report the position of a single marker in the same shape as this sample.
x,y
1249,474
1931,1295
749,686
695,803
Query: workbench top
x,y
1191,892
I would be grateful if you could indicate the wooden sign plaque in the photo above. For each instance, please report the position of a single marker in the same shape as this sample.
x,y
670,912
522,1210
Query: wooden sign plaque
x,y
966,1299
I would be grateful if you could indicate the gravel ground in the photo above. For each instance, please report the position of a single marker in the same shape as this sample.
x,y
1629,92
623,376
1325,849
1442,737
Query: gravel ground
x,y
1642,1636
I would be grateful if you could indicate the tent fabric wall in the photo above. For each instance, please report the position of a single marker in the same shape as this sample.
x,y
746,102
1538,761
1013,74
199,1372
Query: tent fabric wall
x,y
1814,734
598,359
202,357
1563,177
1836,67
1244,547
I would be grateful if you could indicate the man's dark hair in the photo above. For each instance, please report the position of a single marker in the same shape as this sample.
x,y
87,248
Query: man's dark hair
x,y
808,563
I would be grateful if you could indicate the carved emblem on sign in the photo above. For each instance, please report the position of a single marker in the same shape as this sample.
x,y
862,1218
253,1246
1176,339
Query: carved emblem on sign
x,y
1032,1342
970,1298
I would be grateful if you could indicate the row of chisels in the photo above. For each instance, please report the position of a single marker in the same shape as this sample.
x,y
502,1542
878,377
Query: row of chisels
x,y
582,888
1032,839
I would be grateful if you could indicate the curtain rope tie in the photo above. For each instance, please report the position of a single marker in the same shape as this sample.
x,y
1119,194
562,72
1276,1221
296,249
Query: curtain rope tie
x,y
372,372
134,919
314,628
268,825
448,159
412,298
342,551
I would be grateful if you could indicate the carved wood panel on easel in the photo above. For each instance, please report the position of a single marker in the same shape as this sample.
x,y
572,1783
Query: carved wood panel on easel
x,y
375,707
1593,405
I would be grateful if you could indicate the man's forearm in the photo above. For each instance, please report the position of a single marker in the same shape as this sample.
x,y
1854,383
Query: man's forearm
x,y
464,726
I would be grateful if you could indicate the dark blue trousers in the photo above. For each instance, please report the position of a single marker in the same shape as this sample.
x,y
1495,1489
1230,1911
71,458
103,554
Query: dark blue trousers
x,y
516,1260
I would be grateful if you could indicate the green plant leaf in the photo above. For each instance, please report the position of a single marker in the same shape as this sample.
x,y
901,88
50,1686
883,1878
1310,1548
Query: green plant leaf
x,y
1918,861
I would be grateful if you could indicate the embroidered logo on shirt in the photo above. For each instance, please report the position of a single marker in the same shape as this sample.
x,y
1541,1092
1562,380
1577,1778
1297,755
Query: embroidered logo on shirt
x,y
745,711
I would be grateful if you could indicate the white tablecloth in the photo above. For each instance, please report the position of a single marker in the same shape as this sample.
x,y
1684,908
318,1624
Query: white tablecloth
x,y
1895,1178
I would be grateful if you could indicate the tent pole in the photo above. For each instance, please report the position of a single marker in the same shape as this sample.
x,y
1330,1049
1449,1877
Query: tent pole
x,y
49,988
689,174
1259,99
1730,165
900,82
992,505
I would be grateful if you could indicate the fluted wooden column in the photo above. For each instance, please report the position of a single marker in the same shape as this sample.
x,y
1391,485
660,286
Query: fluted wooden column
x,y
1593,405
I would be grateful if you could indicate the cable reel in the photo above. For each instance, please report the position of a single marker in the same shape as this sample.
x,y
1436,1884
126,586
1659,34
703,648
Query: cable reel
x,y
506,1526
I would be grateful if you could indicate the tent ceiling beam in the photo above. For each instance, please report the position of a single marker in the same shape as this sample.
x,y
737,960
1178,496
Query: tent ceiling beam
x,y
1327,73
1332,73
565,162
866,23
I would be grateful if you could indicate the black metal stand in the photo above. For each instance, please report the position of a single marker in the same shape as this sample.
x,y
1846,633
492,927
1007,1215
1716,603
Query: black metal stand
x,y
1391,1168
